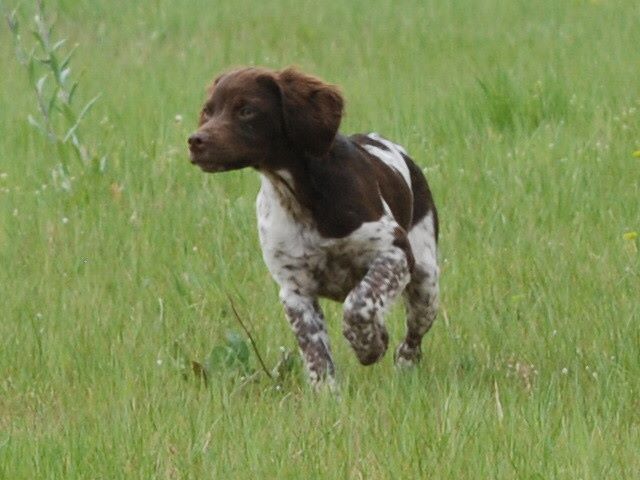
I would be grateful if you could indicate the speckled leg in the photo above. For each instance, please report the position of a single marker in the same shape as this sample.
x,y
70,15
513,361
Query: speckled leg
x,y
421,302
366,304
308,325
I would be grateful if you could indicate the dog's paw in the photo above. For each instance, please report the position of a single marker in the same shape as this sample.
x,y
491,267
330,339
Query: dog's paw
x,y
406,356
368,341
327,385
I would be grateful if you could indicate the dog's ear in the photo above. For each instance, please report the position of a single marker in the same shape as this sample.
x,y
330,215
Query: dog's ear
x,y
312,111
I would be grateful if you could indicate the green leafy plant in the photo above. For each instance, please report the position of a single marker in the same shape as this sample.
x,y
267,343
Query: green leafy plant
x,y
232,358
229,358
233,354
59,114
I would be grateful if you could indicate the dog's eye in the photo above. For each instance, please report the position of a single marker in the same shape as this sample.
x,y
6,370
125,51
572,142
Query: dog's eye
x,y
247,112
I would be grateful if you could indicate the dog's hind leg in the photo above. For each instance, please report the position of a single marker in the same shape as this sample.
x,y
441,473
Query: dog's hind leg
x,y
421,295
366,304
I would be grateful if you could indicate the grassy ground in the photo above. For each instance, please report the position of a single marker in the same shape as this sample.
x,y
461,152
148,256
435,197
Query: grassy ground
x,y
525,116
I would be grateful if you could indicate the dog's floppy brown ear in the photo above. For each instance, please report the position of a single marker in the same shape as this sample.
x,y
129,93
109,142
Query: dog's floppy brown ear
x,y
312,110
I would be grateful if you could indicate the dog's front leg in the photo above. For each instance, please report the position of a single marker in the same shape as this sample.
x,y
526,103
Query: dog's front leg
x,y
367,303
308,325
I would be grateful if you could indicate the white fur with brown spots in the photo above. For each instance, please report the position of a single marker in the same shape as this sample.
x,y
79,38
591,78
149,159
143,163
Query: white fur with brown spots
x,y
364,269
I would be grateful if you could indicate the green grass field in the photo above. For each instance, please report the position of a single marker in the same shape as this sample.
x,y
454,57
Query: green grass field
x,y
525,117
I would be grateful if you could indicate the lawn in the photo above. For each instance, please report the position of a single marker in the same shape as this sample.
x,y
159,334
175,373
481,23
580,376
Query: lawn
x,y
525,117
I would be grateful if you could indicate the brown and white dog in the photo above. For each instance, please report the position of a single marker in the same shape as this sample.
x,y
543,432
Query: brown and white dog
x,y
346,218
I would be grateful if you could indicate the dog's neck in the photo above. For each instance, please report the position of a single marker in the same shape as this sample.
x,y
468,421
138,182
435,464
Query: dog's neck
x,y
282,185
290,179
320,191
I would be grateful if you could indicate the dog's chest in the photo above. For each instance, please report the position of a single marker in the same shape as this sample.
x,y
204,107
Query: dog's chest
x,y
298,257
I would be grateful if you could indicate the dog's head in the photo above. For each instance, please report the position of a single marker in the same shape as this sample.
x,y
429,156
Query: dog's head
x,y
254,115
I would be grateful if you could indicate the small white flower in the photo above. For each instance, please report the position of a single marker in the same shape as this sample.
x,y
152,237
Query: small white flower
x,y
159,362
565,371
178,118
65,220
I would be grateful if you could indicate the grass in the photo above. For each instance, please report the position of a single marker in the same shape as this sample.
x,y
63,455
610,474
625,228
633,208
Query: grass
x,y
525,117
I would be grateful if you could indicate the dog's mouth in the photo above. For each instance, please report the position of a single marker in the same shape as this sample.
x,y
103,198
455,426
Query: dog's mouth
x,y
208,165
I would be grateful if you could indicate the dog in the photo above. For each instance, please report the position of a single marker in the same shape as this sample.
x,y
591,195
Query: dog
x,y
349,218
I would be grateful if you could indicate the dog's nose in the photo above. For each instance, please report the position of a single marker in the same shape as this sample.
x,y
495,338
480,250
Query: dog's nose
x,y
197,141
